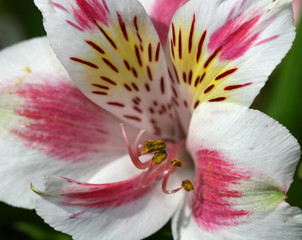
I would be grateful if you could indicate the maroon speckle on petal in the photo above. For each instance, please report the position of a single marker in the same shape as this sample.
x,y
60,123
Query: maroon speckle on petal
x,y
138,57
117,104
150,52
127,65
109,64
209,89
226,73
135,118
149,73
173,35
184,77
134,72
218,99
196,81
137,109
171,77
200,44
179,45
191,34
95,46
232,87
108,80
107,36
162,85
147,87
196,104
127,87
92,65
214,54
176,74
100,93
135,87
157,52
190,77
122,26
172,49
100,86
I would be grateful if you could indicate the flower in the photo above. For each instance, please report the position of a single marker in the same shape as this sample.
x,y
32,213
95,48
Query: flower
x,y
181,84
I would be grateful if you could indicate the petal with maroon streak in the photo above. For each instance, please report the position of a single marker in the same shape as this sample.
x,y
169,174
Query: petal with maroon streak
x,y
214,184
118,63
112,210
47,126
216,48
58,120
245,163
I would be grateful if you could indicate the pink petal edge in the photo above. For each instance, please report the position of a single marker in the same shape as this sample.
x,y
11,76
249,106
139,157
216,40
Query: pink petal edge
x,y
161,16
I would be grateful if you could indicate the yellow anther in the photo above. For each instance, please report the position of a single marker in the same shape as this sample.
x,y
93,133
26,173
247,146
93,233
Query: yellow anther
x,y
176,163
151,146
159,157
187,185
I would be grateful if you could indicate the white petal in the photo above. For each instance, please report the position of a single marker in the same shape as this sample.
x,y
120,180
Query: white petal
x,y
107,215
21,59
248,136
47,126
112,52
245,162
284,223
225,50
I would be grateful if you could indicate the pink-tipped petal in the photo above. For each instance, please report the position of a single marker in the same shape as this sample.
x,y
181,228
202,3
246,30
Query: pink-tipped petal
x,y
245,163
161,13
224,51
115,58
110,210
47,126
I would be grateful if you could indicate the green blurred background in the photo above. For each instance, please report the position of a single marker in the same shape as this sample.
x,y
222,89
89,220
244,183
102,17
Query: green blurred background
x,y
281,99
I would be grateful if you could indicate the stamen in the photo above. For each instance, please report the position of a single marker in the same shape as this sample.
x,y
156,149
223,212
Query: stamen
x,y
142,179
165,181
137,140
152,146
187,185
134,155
159,157
160,166
176,163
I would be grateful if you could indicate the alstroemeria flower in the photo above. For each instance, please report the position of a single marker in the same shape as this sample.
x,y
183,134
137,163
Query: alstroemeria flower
x,y
180,78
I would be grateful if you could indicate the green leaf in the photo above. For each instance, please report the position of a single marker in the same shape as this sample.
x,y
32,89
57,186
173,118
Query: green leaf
x,y
35,232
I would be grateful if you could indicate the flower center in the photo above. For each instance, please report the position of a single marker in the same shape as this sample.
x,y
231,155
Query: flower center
x,y
161,164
